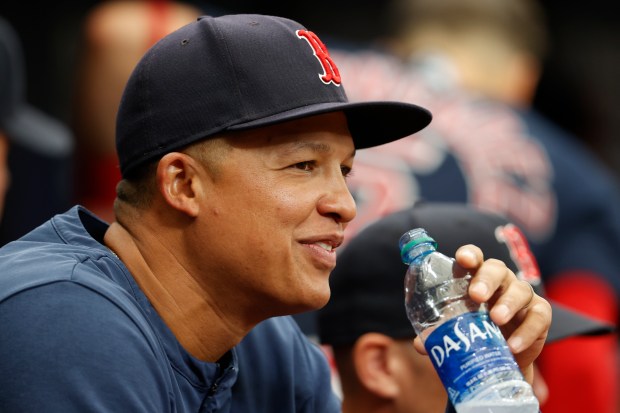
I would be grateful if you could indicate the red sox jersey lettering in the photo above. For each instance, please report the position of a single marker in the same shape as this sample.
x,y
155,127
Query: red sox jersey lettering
x,y
331,74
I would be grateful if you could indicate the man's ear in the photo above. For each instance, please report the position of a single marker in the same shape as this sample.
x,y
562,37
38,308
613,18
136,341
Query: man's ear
x,y
179,183
371,359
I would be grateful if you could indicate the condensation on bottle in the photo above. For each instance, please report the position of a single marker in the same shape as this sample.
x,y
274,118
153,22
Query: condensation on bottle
x,y
466,347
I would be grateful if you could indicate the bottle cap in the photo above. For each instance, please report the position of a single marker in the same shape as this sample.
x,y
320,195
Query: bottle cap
x,y
411,239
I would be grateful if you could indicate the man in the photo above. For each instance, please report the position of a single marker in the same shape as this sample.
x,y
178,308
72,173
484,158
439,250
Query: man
x,y
234,138
365,326
475,64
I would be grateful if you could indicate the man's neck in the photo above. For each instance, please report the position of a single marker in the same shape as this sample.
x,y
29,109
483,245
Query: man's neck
x,y
176,296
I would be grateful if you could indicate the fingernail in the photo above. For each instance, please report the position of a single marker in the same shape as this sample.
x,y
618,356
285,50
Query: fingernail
x,y
469,253
480,289
501,311
515,344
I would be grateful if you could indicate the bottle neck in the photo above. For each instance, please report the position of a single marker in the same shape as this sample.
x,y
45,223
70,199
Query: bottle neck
x,y
417,253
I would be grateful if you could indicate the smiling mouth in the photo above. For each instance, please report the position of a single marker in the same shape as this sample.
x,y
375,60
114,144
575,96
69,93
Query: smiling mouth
x,y
323,245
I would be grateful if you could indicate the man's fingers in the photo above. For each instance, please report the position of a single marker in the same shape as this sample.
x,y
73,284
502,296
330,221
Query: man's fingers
x,y
419,345
536,319
469,256
518,296
492,277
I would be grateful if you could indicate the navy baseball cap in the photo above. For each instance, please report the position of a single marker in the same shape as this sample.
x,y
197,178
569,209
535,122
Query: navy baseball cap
x,y
22,123
239,72
367,285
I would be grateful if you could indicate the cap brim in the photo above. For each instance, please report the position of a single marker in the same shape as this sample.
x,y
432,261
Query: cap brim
x,y
37,131
370,123
569,323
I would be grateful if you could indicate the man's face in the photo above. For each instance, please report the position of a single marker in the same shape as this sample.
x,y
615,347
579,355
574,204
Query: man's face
x,y
273,213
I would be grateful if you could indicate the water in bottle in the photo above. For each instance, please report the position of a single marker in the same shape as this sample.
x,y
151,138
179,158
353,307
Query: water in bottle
x,y
466,347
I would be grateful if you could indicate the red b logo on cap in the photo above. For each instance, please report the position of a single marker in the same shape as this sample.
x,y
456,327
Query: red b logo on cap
x,y
520,252
330,71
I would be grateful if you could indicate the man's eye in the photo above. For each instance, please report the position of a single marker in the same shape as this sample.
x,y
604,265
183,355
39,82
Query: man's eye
x,y
305,166
346,171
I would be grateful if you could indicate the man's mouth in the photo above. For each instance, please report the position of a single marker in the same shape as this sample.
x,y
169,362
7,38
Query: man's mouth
x,y
326,247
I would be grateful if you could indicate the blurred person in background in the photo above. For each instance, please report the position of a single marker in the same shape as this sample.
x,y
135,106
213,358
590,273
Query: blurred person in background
x,y
476,64
115,34
35,149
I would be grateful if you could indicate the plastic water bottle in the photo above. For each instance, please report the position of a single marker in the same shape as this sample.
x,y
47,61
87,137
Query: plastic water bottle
x,y
466,347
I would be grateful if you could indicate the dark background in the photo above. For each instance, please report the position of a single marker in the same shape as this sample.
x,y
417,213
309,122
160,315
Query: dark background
x,y
580,88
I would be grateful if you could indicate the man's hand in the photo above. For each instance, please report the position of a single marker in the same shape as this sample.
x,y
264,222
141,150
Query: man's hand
x,y
523,316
